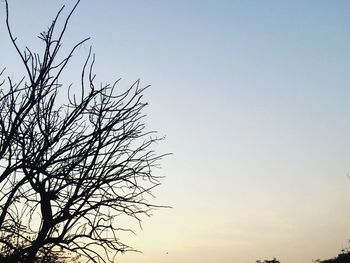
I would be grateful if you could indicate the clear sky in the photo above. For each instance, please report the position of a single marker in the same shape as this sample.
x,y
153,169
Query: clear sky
x,y
254,100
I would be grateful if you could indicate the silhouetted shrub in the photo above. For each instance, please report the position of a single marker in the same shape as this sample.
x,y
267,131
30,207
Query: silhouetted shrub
x,y
274,260
343,257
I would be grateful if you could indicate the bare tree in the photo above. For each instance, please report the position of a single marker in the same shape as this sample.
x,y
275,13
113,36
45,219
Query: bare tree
x,y
69,171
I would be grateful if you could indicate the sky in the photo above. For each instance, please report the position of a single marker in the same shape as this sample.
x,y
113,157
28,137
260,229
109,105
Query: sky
x,y
253,100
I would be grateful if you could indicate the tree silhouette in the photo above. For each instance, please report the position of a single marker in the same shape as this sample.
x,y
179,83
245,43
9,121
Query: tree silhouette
x,y
274,260
343,257
69,171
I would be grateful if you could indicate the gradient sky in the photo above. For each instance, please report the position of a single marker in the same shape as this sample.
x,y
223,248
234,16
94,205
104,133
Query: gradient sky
x,y
254,100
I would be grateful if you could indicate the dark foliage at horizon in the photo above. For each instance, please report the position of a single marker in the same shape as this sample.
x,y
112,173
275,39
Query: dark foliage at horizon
x,y
343,257
274,260
68,171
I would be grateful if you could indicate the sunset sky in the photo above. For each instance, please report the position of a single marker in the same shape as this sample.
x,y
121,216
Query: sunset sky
x,y
253,98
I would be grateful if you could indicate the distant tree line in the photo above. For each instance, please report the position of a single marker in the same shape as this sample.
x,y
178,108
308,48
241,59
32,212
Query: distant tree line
x,y
343,257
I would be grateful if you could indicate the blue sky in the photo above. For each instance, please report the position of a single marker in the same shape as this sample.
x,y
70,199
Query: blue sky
x,y
253,97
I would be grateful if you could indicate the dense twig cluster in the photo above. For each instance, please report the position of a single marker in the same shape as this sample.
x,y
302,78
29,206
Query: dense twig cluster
x,y
68,171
